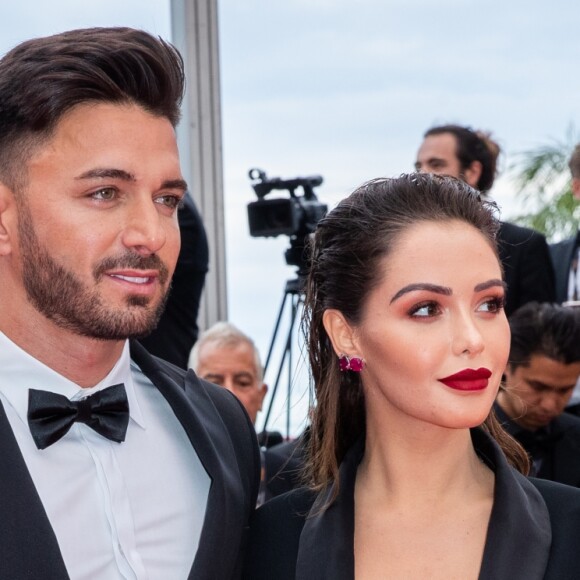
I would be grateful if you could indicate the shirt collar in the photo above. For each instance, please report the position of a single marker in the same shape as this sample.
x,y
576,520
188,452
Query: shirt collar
x,y
21,372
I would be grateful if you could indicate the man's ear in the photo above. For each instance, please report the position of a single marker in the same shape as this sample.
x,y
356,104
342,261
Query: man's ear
x,y
472,174
576,187
7,219
263,392
341,333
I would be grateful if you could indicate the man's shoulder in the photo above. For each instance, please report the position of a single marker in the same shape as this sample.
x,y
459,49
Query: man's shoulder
x,y
568,423
224,401
519,234
563,244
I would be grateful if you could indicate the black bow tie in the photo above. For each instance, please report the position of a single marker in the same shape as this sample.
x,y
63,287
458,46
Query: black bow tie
x,y
50,416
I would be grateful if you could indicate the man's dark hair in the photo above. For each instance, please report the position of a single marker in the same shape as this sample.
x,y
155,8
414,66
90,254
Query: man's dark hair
x,y
473,146
545,329
44,78
574,163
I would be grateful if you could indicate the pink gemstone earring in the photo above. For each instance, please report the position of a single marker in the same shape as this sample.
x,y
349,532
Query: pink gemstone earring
x,y
350,363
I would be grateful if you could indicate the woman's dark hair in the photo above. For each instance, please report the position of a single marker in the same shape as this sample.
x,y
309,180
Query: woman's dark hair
x,y
346,251
44,78
473,146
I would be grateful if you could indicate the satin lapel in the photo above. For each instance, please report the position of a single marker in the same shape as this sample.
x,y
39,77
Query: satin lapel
x,y
519,535
326,549
28,545
224,518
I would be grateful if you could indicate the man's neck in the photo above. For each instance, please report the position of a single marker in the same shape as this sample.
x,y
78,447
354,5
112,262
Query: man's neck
x,y
83,360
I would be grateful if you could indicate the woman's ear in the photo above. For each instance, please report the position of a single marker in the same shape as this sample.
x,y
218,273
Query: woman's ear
x,y
341,333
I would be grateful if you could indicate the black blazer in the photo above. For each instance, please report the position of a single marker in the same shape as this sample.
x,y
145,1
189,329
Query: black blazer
x,y
533,532
225,441
528,271
561,254
562,463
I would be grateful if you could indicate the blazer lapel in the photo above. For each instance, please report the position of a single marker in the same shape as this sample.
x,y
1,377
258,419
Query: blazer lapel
x,y
326,549
28,545
225,518
519,535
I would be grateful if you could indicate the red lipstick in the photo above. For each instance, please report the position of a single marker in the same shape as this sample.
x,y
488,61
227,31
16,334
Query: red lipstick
x,y
468,380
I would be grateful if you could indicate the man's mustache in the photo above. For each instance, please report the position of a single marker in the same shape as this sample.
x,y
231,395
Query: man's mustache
x,y
133,261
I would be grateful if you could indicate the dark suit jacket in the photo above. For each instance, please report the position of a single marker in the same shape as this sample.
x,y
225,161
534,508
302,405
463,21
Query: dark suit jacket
x,y
533,532
528,271
561,462
225,441
285,464
561,254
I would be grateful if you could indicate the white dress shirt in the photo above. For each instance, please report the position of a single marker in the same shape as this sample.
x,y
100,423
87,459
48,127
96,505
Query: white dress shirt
x,y
131,510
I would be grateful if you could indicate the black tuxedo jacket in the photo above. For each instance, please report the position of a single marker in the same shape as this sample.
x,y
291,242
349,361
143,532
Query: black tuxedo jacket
x,y
225,441
562,463
533,532
528,272
561,254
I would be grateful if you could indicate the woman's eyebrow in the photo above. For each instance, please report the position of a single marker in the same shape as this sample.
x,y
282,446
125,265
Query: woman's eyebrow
x,y
422,286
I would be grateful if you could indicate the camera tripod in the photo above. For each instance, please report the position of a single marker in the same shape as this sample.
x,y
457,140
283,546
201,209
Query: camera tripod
x,y
294,298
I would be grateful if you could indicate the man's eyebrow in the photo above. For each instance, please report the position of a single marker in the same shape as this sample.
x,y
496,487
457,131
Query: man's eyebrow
x,y
491,284
215,375
107,173
546,387
244,374
422,286
111,173
174,184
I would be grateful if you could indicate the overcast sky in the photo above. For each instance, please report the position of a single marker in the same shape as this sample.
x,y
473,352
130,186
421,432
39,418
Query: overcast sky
x,y
346,90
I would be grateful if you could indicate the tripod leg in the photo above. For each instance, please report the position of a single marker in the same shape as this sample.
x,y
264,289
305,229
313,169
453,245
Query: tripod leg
x,y
275,333
295,300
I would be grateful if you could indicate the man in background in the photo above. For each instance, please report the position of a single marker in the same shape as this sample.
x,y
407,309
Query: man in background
x,y
565,254
472,157
542,370
224,355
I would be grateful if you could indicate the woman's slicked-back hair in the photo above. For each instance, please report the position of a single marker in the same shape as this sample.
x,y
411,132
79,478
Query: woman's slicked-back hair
x,y
44,78
346,254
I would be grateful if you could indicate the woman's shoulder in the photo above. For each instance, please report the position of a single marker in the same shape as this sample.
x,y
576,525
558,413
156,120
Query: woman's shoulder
x,y
275,531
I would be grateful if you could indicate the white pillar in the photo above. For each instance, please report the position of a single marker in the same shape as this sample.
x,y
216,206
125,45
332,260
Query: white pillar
x,y
194,25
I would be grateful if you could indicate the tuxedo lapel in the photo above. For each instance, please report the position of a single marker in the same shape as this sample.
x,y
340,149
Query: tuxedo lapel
x,y
225,517
28,545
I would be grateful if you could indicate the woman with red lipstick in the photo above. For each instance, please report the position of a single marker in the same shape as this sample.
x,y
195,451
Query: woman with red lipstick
x,y
409,473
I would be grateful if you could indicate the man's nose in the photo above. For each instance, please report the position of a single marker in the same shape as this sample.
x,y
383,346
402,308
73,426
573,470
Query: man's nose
x,y
143,230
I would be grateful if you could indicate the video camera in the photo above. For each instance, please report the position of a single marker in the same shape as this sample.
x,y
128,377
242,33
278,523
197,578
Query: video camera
x,y
295,216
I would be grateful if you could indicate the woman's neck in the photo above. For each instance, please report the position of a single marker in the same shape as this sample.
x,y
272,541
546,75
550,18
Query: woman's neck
x,y
422,469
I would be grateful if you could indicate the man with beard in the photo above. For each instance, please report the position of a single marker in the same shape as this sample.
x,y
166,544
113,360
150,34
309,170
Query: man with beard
x,y
115,464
